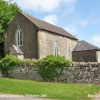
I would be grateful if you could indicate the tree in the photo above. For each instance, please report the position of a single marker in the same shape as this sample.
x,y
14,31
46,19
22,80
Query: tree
x,y
7,12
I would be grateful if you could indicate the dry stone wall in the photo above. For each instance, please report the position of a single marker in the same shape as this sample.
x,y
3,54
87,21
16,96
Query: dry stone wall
x,y
83,73
29,72
77,73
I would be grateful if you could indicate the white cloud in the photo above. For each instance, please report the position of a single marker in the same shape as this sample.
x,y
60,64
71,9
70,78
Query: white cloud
x,y
72,29
83,23
60,12
38,5
69,6
70,2
94,18
47,6
51,19
96,40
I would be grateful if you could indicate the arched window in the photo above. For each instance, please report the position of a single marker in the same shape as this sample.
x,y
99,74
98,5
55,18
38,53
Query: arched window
x,y
19,37
69,53
56,49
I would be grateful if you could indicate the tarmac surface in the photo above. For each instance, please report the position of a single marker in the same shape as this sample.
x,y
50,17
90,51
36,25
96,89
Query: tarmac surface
x,y
17,97
22,98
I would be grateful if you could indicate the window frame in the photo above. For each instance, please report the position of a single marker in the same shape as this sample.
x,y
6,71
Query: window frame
x,y
56,48
69,51
19,37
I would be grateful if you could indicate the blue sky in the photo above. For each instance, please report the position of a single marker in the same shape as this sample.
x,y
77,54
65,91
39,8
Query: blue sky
x,y
79,17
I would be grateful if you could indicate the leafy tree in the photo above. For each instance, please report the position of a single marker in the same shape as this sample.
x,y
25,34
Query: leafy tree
x,y
7,12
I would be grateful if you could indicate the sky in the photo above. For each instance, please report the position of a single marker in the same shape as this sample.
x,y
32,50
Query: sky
x,y
79,17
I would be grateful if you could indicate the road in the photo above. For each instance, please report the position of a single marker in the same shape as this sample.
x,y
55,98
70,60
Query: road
x,y
17,97
22,98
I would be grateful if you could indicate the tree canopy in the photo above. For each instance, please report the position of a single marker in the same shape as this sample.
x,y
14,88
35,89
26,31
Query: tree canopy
x,y
7,12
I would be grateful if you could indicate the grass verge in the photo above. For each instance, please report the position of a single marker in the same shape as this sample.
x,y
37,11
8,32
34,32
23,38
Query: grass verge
x,y
60,91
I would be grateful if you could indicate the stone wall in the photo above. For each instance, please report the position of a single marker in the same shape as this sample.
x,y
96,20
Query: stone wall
x,y
25,72
29,34
86,56
46,42
83,73
77,73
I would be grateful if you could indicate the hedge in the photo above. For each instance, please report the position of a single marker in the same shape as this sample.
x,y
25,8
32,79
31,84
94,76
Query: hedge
x,y
52,67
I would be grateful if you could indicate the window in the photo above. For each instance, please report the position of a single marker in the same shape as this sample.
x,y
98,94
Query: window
x,y
19,37
69,53
56,49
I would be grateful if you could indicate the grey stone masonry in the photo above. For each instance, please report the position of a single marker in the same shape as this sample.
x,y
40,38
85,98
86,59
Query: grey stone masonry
x,y
83,73
76,73
25,72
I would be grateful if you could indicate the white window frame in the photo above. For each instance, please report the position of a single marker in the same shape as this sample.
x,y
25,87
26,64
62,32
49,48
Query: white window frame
x,y
19,37
56,48
69,51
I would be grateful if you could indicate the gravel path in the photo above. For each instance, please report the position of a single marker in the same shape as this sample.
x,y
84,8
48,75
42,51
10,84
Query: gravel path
x,y
97,97
14,97
22,98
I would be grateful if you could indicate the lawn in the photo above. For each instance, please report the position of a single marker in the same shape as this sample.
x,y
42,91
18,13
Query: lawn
x,y
61,91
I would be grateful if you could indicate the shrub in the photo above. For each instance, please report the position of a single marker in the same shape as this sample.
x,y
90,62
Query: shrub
x,y
7,63
52,67
28,62
0,57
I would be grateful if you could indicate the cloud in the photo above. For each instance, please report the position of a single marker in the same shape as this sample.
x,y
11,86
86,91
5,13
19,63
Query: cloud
x,y
94,18
47,6
72,29
57,12
70,2
96,40
51,19
68,6
38,5
84,23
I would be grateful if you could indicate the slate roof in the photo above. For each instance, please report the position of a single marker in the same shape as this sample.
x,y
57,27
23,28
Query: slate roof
x,y
83,45
49,27
18,50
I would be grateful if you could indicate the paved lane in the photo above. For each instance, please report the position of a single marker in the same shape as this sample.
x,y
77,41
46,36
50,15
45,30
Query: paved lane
x,y
14,97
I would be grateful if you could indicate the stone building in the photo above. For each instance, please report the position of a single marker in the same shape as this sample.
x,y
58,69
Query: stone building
x,y
29,37
86,52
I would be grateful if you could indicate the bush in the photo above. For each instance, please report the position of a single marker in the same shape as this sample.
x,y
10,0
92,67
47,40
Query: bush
x,y
52,67
0,57
28,62
7,63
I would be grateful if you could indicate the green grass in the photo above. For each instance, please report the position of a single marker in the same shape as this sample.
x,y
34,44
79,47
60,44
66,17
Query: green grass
x,y
60,91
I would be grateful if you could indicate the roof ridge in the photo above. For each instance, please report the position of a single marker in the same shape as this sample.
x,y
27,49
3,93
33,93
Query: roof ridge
x,y
48,26
41,20
91,45
84,45
24,14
